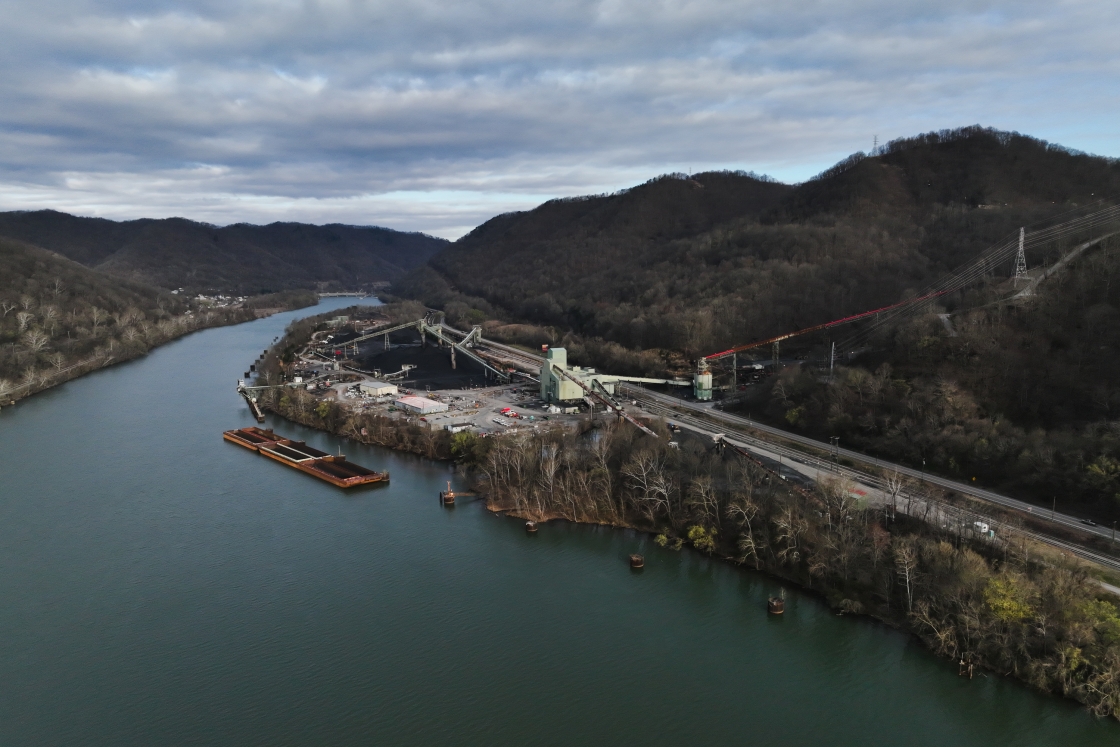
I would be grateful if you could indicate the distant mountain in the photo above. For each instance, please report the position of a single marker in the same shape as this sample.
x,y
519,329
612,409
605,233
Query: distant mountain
x,y
241,258
696,264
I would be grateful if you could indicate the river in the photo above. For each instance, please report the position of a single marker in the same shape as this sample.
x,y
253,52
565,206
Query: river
x,y
163,587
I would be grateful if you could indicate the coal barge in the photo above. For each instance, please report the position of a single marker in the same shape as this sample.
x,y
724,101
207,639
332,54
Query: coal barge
x,y
334,469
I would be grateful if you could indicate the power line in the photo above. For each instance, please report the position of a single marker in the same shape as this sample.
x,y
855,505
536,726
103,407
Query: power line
x,y
983,265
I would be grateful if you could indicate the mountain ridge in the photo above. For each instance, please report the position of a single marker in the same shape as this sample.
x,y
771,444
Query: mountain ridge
x,y
238,258
689,264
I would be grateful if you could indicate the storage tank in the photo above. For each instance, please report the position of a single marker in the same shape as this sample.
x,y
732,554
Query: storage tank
x,y
702,385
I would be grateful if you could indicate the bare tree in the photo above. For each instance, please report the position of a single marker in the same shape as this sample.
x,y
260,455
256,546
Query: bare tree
x,y
50,316
894,487
549,469
645,472
26,302
790,525
57,287
97,316
906,564
6,306
702,497
128,316
430,436
24,318
58,360
743,509
35,341
601,455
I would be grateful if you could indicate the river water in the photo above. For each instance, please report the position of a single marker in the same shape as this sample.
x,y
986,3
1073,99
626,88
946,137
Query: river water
x,y
160,586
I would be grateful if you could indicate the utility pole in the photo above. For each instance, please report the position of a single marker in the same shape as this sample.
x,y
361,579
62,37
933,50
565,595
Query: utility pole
x,y
831,362
776,359
734,373
1112,541
1021,258
1054,508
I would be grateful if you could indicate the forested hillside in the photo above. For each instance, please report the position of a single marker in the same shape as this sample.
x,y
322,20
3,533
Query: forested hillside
x,y
59,320
240,259
1024,396
696,264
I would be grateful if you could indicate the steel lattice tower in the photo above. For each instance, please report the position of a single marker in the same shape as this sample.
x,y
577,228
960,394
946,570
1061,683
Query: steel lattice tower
x,y
1020,258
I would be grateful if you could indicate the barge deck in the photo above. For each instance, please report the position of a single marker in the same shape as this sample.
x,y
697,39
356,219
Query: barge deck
x,y
334,469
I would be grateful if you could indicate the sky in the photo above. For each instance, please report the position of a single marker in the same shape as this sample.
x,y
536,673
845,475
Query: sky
x,y
433,116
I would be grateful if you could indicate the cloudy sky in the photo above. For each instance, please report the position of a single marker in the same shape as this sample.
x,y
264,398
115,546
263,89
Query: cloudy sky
x,y
433,115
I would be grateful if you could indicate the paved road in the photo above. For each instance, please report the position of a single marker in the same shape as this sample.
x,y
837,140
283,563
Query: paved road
x,y
855,456
870,487
674,407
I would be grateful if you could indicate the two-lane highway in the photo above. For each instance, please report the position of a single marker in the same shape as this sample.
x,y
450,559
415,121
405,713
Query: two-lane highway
x,y
741,423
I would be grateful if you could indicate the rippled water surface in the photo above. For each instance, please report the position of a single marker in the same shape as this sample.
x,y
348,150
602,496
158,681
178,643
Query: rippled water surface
x,y
160,586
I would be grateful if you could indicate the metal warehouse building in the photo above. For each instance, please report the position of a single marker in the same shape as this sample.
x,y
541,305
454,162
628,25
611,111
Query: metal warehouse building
x,y
377,388
420,405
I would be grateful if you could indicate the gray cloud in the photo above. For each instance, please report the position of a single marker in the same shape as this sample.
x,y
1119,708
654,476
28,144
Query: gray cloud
x,y
434,116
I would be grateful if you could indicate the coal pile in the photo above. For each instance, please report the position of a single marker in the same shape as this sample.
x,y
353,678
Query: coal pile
x,y
433,365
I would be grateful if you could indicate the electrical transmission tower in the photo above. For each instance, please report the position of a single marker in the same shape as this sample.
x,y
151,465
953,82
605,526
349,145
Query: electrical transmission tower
x,y
1020,258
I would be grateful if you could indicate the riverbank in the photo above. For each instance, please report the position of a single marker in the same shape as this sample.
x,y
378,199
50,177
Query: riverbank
x,y
128,336
129,346
221,594
983,606
374,430
984,603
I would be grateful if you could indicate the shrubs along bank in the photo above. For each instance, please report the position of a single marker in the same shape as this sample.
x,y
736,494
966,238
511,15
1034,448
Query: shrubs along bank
x,y
987,604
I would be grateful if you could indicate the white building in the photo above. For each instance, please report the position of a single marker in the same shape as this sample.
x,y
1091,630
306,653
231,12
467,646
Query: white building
x,y
377,388
420,405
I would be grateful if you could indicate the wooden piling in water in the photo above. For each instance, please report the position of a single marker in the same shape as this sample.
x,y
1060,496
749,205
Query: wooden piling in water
x,y
447,497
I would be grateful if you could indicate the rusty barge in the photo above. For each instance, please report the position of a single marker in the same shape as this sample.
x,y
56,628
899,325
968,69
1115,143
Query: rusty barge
x,y
334,469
